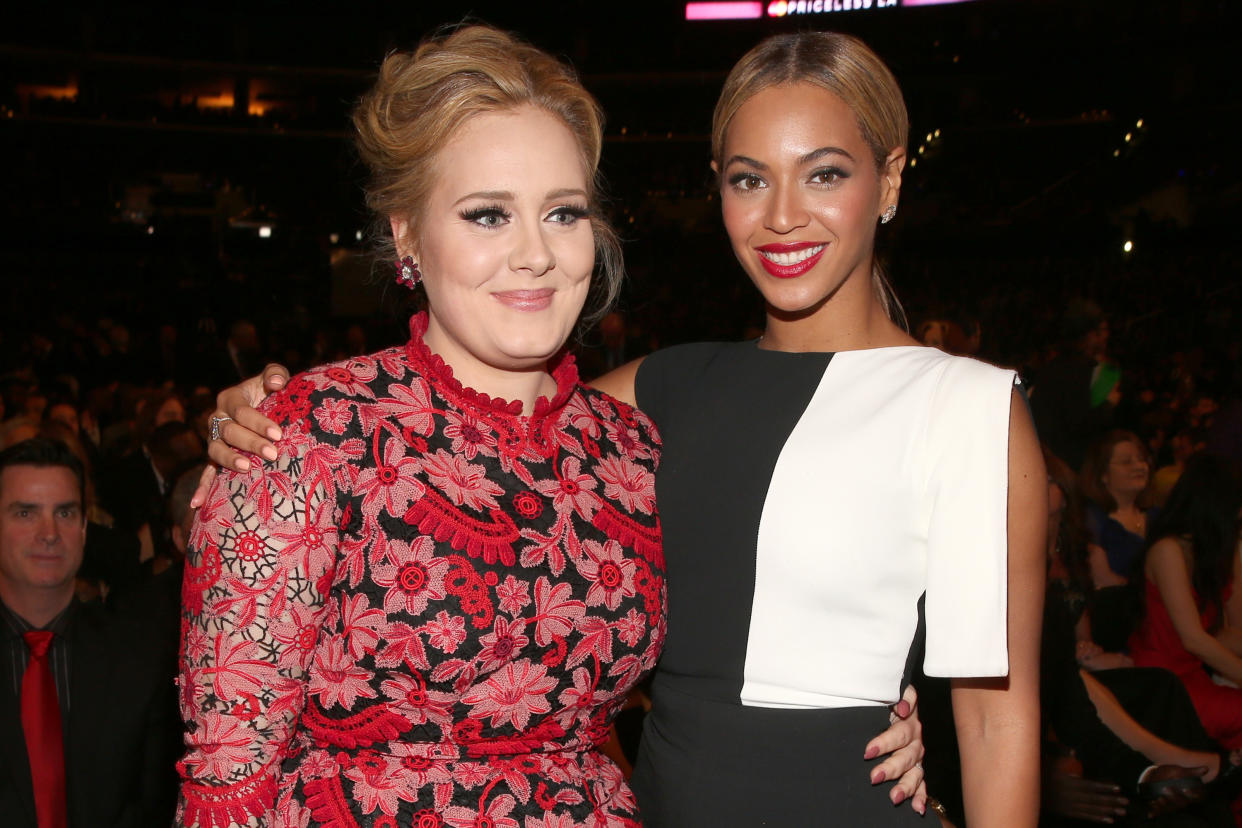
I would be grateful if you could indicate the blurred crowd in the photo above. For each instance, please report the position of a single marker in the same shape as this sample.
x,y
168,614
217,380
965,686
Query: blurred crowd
x,y
1131,373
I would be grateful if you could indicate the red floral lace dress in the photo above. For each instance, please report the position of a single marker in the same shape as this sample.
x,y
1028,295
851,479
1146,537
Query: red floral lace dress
x,y
426,611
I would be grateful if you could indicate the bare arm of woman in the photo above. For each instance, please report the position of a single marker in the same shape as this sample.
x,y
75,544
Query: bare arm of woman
x,y
1139,738
1092,655
997,719
1231,632
619,382
1102,574
1169,569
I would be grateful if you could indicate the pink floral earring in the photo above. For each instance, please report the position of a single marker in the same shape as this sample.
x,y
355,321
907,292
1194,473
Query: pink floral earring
x,y
408,273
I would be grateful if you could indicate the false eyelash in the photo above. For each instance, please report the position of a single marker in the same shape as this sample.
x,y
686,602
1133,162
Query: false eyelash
x,y
578,212
476,213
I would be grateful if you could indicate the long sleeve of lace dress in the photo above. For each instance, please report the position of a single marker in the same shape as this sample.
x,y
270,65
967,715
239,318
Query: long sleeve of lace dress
x,y
261,560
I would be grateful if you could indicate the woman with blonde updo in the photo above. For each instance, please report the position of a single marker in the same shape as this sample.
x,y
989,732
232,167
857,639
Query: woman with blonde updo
x,y
428,601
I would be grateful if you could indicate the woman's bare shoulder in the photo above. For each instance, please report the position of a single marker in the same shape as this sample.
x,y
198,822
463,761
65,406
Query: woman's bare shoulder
x,y
619,382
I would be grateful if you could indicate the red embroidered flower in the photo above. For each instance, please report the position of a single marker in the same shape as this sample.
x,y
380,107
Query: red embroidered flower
x,y
571,491
470,436
464,483
219,744
632,628
409,697
513,595
415,576
426,818
338,679
628,483
611,572
249,546
333,415
647,585
503,643
292,404
200,578
350,378
494,815
446,632
512,694
528,504
390,485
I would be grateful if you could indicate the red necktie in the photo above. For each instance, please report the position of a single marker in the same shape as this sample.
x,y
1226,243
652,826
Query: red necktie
x,y
41,725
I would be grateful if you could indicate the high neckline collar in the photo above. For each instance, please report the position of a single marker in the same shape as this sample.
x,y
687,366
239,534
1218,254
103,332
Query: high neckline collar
x,y
561,366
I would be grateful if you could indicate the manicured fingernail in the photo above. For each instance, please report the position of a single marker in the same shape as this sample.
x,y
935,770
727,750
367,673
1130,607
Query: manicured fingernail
x,y
242,464
195,502
269,452
920,808
901,709
273,433
277,382
878,777
872,752
899,796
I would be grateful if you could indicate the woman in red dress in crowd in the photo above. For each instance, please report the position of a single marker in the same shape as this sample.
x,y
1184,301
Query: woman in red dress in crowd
x,y
1192,623
427,604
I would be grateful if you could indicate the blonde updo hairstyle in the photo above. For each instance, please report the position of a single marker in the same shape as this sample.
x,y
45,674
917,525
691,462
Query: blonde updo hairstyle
x,y
846,67
422,98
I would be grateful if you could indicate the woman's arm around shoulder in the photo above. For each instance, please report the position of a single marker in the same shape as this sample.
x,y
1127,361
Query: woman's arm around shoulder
x,y
997,719
619,382
239,427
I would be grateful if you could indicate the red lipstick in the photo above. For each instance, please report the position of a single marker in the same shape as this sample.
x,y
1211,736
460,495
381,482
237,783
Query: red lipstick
x,y
780,259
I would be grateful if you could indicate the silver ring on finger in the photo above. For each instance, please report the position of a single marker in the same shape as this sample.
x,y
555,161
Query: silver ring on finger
x,y
216,422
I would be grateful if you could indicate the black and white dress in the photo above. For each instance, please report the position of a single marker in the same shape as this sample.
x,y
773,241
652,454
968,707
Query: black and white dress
x,y
809,500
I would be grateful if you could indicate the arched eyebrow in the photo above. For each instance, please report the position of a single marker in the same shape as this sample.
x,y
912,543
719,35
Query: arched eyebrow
x,y
810,158
566,192
487,195
505,195
815,155
747,160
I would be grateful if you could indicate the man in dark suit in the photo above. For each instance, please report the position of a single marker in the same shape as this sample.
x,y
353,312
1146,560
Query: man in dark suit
x,y
87,705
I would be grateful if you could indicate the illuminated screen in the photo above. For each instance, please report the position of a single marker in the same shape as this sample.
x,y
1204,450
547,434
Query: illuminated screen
x,y
791,8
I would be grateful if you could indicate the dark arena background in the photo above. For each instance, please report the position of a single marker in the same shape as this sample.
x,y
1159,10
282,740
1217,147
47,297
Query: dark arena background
x,y
170,169
182,204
